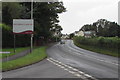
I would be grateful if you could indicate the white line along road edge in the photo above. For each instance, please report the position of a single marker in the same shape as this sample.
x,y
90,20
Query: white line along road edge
x,y
72,70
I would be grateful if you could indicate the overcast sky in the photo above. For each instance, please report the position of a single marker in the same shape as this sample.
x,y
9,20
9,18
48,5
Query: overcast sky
x,y
81,12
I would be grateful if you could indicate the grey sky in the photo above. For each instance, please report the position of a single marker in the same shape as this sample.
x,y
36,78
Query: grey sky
x,y
81,12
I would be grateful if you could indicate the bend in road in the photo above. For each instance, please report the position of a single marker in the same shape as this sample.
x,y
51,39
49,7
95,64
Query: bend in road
x,y
97,65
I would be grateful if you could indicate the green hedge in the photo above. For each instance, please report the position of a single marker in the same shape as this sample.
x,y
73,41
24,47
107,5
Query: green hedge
x,y
22,40
108,43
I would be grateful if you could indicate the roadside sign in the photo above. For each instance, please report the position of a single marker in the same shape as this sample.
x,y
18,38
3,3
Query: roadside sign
x,y
4,52
23,26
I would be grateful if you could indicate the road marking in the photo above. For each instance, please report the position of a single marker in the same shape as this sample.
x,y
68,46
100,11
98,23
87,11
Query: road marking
x,y
102,60
72,70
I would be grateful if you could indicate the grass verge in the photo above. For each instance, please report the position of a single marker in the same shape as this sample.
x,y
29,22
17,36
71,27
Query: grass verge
x,y
18,50
37,55
99,50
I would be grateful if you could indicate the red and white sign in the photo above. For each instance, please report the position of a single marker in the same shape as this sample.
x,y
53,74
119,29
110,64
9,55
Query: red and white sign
x,y
23,26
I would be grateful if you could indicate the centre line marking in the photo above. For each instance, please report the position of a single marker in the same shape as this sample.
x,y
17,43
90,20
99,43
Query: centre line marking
x,y
72,70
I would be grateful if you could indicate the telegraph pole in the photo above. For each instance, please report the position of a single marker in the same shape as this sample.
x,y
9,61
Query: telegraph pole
x,y
31,19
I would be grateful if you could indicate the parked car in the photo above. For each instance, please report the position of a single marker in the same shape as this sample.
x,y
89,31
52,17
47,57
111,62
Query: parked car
x,y
62,42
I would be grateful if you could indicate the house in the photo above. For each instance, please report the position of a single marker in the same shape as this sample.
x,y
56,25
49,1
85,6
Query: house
x,y
89,34
65,36
79,33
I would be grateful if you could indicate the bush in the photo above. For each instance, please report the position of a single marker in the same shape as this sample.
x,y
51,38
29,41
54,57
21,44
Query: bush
x,y
109,43
8,38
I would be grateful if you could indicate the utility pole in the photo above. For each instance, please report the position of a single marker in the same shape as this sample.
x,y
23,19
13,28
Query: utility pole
x,y
31,19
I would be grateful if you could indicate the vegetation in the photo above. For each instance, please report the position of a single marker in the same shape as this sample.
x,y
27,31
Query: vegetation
x,y
37,55
45,17
103,28
11,50
71,35
46,21
8,38
105,45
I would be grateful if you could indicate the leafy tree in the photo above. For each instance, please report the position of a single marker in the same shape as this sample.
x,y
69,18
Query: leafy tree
x,y
103,28
45,16
71,35
10,11
88,27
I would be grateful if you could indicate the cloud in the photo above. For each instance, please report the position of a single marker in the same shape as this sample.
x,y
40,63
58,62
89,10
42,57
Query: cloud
x,y
109,12
81,12
89,0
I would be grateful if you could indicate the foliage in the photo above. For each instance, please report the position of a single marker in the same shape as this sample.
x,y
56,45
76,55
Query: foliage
x,y
99,50
108,43
8,38
10,11
45,17
5,27
103,28
71,35
6,35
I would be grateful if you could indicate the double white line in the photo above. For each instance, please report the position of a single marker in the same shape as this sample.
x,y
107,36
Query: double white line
x,y
72,70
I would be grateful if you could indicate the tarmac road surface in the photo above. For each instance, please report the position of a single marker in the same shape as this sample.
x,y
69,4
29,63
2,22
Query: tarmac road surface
x,y
68,61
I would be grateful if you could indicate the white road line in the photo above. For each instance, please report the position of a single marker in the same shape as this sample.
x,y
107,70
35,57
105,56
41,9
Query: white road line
x,y
92,56
71,70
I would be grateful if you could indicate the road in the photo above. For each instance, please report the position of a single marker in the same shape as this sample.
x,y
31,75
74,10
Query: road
x,y
97,65
43,69
68,61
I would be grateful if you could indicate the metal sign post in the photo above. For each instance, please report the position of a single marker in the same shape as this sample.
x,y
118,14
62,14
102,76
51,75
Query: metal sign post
x,y
31,42
14,44
31,18
24,26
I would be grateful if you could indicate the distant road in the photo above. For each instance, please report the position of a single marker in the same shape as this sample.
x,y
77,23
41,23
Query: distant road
x,y
97,65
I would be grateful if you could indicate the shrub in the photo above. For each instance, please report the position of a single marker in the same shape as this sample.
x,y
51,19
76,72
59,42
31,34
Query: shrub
x,y
109,43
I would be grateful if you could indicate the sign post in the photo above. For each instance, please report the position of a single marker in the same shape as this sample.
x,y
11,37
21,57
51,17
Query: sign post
x,y
14,44
23,26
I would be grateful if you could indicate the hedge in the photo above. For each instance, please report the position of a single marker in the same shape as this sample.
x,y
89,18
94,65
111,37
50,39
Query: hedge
x,y
108,43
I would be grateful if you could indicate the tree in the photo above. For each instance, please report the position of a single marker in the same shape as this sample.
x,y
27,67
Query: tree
x,y
71,35
10,11
103,28
45,16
